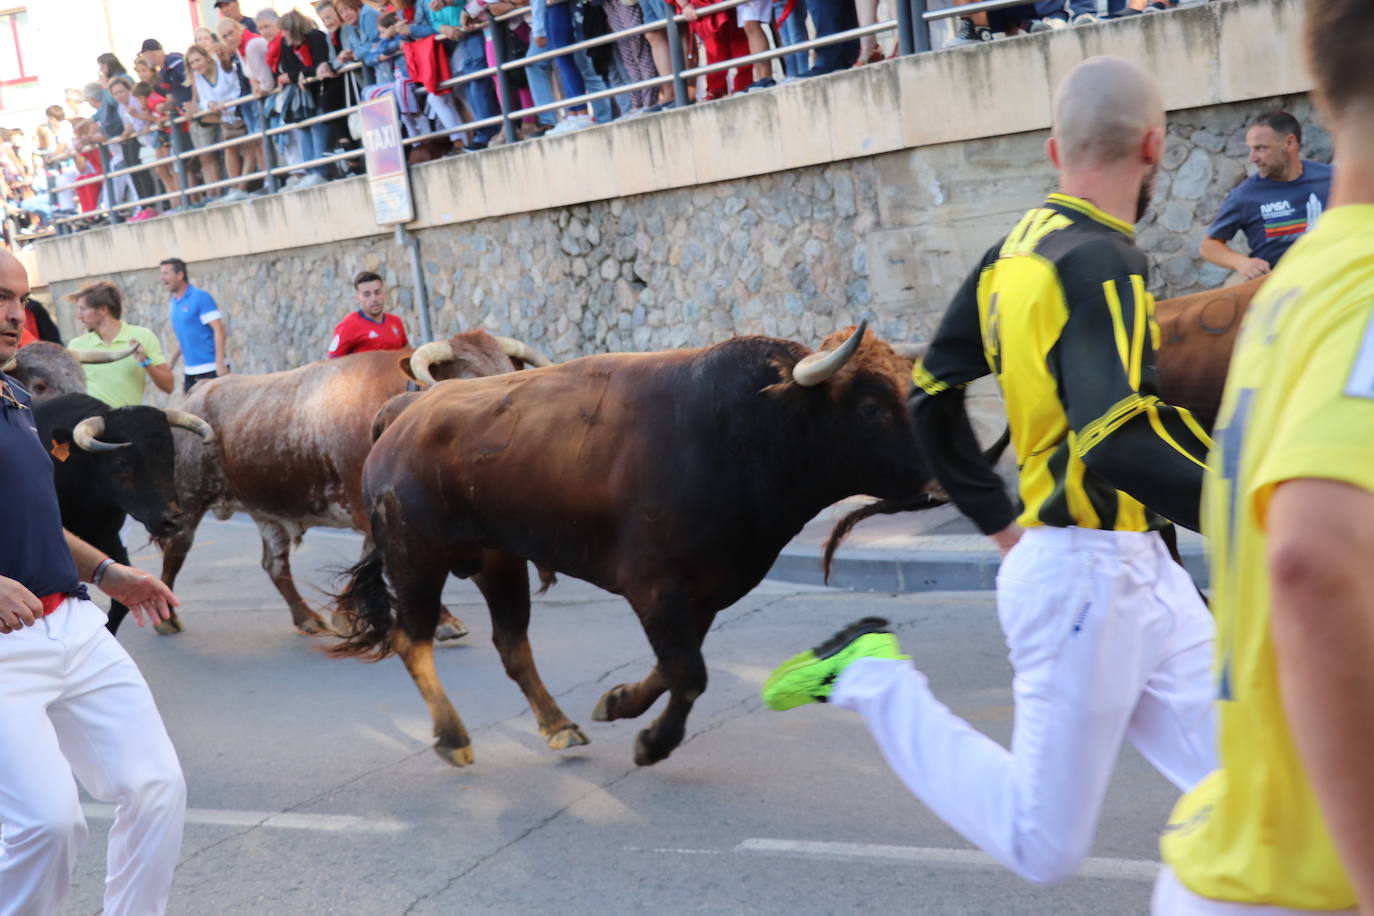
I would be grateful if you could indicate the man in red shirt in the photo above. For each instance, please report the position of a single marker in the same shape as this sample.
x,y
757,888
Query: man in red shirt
x,y
370,327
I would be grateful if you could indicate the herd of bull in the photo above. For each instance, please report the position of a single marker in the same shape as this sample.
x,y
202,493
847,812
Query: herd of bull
x,y
673,479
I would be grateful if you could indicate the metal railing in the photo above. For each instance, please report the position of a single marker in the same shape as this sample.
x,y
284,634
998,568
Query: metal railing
x,y
912,24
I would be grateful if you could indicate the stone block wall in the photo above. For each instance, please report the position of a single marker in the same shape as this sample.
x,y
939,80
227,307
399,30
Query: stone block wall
x,y
792,254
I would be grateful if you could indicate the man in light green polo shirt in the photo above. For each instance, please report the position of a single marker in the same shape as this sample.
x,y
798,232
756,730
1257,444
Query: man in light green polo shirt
x,y
99,308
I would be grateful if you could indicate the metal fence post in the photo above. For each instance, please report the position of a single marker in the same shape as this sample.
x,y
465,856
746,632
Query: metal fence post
x,y
503,88
679,62
107,183
180,167
269,148
919,24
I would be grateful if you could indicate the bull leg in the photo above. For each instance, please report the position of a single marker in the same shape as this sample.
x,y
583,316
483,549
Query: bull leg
x,y
417,589
276,560
505,583
676,637
174,551
117,610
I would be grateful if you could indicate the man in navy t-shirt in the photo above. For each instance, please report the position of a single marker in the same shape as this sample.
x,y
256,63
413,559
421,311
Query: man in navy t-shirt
x,y
72,701
197,324
1273,207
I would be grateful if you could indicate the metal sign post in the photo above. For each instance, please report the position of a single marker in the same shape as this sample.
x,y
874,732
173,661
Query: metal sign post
x,y
389,181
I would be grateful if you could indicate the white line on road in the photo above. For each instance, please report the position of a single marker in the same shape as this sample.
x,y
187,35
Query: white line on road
x,y
284,820
1135,869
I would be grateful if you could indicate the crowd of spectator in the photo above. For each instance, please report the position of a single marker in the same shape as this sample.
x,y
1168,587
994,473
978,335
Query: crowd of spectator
x,y
279,69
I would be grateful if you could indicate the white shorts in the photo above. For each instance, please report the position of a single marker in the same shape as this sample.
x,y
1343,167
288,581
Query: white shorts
x,y
754,11
1173,899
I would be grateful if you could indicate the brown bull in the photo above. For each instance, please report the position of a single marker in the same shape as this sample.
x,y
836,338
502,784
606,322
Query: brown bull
x,y
1197,334
673,479
290,448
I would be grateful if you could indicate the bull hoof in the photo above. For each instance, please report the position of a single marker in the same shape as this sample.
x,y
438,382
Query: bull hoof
x,y
645,753
169,627
564,738
343,623
455,756
313,626
605,707
449,631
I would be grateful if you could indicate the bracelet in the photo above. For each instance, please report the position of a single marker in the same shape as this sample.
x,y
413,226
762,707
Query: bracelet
x,y
100,569
147,362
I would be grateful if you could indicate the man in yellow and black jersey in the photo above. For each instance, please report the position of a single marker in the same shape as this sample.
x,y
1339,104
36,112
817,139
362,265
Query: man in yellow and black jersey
x,y
1286,823
1058,311
1108,637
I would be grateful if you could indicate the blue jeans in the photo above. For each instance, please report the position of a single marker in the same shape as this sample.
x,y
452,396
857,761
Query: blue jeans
x,y
829,18
792,32
251,112
314,144
541,84
576,70
471,56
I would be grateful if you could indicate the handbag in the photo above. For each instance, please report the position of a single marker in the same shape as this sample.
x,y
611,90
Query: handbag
x,y
296,105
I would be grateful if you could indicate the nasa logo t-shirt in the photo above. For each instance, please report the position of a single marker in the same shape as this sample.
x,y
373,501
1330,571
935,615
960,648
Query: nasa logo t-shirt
x,y
1274,214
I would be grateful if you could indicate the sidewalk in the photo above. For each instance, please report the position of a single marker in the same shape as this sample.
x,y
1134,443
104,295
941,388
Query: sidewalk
x,y
935,550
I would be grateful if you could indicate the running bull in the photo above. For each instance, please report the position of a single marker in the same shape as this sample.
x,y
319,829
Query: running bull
x,y
111,463
673,479
291,445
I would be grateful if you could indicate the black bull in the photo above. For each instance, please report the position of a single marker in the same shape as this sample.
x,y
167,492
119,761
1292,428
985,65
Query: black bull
x,y
673,479
109,463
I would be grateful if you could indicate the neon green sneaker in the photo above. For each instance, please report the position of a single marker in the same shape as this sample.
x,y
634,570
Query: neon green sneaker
x,y
809,676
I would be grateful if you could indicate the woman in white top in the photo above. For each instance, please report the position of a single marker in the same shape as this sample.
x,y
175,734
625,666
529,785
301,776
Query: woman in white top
x,y
211,88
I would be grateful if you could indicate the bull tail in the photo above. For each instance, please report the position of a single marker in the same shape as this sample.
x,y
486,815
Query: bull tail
x,y
547,579
881,507
368,601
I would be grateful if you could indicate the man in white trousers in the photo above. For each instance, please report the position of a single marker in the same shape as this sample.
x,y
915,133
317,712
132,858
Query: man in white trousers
x,y
1108,637
72,702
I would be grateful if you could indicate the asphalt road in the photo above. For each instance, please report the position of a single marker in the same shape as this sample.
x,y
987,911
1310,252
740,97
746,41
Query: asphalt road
x,y
313,789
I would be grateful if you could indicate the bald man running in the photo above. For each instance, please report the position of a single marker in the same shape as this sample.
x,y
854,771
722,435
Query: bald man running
x,y
1108,637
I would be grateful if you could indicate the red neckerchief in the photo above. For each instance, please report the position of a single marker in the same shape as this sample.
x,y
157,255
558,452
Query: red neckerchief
x,y
274,53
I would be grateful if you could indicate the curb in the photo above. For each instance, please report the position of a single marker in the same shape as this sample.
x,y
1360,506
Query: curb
x,y
927,571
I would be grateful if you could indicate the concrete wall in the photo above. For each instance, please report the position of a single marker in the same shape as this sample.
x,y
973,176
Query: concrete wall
x,y
788,212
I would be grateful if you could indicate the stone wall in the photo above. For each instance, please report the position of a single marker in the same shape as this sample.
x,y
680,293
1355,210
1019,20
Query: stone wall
x,y
792,254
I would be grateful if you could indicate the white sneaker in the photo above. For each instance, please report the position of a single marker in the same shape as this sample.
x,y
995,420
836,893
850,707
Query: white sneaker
x,y
313,180
1050,23
235,195
570,124
292,182
1085,19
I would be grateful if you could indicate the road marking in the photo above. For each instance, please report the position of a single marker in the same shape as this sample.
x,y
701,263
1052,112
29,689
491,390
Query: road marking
x,y
332,823
1135,869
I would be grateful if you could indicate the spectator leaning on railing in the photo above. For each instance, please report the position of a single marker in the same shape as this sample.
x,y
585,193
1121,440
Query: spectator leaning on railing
x,y
255,77
209,84
332,91
457,24
303,48
169,81
229,9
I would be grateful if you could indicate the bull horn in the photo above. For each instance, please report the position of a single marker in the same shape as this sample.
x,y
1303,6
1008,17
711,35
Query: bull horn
x,y
436,351
189,421
911,351
101,356
819,367
518,349
11,365
87,435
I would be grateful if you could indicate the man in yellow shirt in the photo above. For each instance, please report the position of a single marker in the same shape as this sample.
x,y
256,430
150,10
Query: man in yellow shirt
x,y
1286,824
99,308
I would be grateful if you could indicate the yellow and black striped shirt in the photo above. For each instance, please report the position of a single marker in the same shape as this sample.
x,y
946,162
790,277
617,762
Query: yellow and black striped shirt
x,y
1059,313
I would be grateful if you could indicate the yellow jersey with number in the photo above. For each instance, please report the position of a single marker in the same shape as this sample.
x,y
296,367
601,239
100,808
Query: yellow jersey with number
x,y
1299,403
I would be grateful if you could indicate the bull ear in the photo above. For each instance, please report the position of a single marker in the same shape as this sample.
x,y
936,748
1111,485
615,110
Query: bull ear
x,y
404,363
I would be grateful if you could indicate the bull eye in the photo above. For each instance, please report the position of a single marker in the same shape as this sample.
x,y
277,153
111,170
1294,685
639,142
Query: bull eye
x,y
870,410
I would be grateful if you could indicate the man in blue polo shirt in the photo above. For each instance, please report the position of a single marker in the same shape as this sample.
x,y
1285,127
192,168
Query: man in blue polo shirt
x,y
197,323
1275,206
74,702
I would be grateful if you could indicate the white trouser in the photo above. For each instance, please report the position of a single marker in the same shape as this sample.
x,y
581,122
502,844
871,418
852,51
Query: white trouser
x,y
444,109
74,702
1108,638
1171,898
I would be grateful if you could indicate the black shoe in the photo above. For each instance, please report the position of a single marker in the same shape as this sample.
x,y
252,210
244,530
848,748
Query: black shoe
x,y
474,147
765,83
970,34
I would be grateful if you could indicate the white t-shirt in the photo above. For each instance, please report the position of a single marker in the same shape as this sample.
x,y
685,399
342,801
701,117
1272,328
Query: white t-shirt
x,y
225,89
254,60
